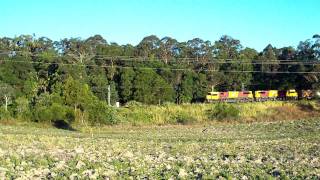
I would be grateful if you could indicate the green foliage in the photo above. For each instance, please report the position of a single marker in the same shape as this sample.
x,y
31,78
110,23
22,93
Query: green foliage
x,y
30,87
4,114
184,118
101,113
16,73
150,88
162,91
99,83
186,89
54,112
114,93
142,86
137,115
309,105
77,94
40,76
23,111
224,111
200,88
126,84
132,104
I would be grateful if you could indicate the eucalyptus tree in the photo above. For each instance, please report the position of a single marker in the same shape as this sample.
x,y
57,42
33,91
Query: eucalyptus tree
x,y
6,45
168,49
148,47
128,50
227,48
227,51
309,50
96,41
79,51
316,46
198,49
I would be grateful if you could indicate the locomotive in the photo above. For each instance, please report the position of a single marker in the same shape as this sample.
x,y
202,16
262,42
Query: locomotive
x,y
261,95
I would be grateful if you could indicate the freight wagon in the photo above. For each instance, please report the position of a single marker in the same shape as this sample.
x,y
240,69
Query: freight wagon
x,y
260,95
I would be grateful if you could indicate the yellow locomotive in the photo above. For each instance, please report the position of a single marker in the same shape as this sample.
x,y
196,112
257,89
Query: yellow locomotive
x,y
230,96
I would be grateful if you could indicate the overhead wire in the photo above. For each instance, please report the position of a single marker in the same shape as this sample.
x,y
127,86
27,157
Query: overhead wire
x,y
186,60
135,60
164,68
216,61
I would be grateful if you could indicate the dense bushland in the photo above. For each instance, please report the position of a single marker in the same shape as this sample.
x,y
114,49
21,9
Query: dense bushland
x,y
46,81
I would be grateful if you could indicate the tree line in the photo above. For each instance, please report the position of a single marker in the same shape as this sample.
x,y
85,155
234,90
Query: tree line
x,y
42,79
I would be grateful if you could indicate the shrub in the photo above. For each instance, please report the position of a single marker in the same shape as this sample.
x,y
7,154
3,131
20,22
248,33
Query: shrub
x,y
55,112
184,118
22,109
168,104
4,115
133,104
136,116
307,105
101,113
224,111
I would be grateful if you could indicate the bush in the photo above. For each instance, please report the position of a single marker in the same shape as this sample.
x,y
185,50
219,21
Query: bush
x,y
133,104
307,105
22,109
184,118
224,111
101,113
168,104
4,115
136,116
55,112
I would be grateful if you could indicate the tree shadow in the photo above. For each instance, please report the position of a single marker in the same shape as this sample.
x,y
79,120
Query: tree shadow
x,y
307,106
61,124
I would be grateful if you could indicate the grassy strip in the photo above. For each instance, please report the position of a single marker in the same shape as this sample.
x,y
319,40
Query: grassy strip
x,y
200,113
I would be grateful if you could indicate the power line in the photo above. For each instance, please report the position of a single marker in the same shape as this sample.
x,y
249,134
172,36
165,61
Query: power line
x,y
215,62
163,68
186,60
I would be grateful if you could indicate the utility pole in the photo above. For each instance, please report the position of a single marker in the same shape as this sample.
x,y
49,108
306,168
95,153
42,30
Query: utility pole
x,y
109,95
242,87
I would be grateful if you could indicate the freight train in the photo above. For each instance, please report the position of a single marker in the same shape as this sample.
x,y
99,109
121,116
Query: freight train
x,y
261,95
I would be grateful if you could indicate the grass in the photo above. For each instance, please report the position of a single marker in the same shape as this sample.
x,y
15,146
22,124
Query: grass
x,y
171,114
200,113
281,149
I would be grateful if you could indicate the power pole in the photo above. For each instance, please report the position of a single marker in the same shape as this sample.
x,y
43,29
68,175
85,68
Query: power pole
x,y
109,95
242,87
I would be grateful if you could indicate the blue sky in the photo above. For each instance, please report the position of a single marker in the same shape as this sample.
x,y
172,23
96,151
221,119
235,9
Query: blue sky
x,y
255,23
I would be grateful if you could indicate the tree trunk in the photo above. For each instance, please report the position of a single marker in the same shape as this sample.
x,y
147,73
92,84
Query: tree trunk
x,y
6,102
